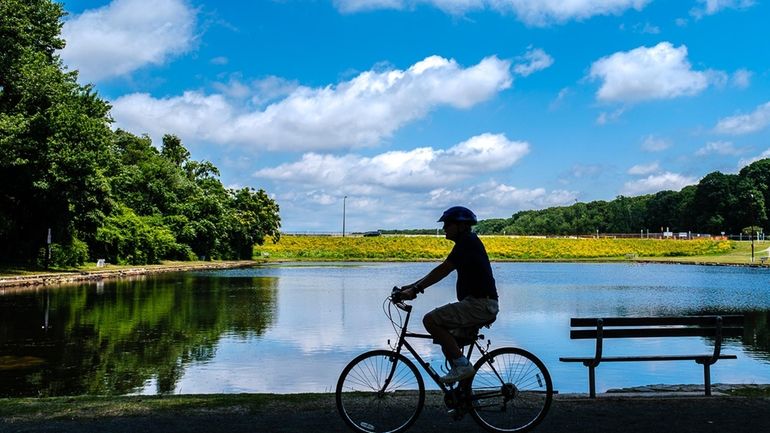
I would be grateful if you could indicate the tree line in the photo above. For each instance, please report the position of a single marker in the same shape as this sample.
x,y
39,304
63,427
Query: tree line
x,y
718,203
72,189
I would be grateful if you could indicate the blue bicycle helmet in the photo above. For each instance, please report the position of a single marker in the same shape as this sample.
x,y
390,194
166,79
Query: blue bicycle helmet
x,y
458,214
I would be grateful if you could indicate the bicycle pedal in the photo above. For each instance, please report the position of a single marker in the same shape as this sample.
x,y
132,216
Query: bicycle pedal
x,y
456,415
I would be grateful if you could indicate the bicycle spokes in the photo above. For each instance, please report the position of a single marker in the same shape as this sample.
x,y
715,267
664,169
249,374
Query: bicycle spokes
x,y
380,391
511,390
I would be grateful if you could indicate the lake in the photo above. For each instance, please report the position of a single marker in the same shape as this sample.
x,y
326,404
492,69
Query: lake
x,y
288,328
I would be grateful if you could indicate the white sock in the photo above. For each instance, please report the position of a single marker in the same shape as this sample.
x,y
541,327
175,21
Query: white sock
x,y
461,362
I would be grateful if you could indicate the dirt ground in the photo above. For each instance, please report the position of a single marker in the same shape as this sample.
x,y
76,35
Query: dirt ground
x,y
573,414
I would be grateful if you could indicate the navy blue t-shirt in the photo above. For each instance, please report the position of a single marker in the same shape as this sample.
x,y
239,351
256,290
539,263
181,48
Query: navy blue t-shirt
x,y
474,273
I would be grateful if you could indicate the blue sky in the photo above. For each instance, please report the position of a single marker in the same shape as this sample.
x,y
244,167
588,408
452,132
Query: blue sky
x,y
408,107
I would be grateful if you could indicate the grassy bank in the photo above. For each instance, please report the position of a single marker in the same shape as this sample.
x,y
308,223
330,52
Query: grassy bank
x,y
90,407
23,276
738,254
407,248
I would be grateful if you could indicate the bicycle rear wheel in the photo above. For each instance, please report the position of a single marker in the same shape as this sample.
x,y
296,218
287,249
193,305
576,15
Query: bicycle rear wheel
x,y
380,391
511,391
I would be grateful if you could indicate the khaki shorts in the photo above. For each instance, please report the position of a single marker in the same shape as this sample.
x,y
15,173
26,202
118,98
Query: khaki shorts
x,y
470,312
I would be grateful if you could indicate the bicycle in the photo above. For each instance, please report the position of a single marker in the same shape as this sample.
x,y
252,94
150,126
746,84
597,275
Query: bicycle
x,y
382,390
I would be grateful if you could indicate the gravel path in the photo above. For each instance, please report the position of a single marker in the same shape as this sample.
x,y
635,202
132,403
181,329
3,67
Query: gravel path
x,y
646,413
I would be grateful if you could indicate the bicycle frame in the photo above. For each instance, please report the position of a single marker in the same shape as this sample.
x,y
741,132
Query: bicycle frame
x,y
403,342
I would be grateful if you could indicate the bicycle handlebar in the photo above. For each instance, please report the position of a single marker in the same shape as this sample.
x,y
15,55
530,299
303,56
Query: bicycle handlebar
x,y
395,298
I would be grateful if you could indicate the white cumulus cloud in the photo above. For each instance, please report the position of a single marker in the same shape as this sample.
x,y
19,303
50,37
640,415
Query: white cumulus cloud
x,y
745,162
531,12
418,169
718,148
642,169
126,35
745,123
645,73
608,117
657,182
652,143
535,59
488,199
711,7
360,112
741,78
494,196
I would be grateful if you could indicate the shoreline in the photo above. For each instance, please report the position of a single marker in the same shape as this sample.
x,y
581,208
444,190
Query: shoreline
x,y
36,280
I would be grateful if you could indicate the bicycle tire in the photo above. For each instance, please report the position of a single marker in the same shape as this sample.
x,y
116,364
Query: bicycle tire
x,y
366,407
511,391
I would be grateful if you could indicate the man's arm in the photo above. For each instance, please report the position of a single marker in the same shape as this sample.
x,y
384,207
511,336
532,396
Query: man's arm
x,y
434,276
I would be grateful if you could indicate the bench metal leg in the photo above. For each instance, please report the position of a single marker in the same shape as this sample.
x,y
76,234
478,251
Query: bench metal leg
x,y
707,377
592,381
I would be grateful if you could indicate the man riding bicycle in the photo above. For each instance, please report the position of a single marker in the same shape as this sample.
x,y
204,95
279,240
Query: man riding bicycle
x,y
476,291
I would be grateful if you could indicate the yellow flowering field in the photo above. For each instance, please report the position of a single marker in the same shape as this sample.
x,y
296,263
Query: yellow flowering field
x,y
408,248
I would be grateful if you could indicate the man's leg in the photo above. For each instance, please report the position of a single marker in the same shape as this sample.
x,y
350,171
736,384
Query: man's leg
x,y
461,367
442,336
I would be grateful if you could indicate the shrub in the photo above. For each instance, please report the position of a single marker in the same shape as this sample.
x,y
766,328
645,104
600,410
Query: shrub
x,y
68,255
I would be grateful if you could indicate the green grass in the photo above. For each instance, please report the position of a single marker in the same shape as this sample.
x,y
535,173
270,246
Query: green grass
x,y
739,254
501,248
757,391
91,407
21,271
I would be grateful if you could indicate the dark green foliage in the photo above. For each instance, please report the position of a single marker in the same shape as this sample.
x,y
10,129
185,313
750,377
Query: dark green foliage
x,y
718,203
252,219
65,256
63,169
54,137
126,238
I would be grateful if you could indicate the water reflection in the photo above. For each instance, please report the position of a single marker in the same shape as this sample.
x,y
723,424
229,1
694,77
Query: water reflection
x,y
292,328
114,337
756,333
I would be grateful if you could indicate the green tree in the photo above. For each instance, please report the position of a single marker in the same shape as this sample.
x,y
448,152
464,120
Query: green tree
x,y
114,193
173,150
714,201
129,238
54,137
492,226
254,218
758,173
663,211
143,179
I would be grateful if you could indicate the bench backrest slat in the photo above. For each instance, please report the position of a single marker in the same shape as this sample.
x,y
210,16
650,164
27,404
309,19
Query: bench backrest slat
x,y
727,320
655,332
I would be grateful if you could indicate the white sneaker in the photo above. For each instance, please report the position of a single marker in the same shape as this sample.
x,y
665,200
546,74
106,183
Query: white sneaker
x,y
457,374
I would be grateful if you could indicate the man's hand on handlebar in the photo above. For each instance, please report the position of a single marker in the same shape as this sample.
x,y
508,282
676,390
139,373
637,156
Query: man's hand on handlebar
x,y
408,292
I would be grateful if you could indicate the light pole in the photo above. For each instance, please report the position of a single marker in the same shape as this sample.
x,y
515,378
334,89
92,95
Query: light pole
x,y
751,229
343,215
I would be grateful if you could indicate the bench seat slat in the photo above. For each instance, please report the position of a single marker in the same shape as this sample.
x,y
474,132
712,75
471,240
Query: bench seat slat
x,y
727,320
646,358
655,332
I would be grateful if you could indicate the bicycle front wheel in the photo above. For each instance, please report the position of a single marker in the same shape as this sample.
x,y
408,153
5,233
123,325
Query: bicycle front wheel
x,y
380,391
511,391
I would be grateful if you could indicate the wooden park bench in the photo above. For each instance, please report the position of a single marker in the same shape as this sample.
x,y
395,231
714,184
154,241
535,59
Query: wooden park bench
x,y
713,327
